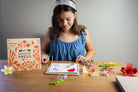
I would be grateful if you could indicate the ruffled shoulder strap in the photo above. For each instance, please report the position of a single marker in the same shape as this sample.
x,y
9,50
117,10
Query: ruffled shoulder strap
x,y
83,35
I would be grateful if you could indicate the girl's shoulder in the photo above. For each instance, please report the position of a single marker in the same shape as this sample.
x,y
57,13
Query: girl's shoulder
x,y
86,31
51,33
47,33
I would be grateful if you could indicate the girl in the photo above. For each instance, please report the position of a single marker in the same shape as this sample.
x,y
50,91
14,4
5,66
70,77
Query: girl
x,y
66,40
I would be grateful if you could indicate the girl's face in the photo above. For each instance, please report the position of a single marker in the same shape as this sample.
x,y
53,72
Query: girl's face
x,y
66,20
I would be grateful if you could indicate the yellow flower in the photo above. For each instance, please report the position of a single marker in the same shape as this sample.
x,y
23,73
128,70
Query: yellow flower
x,y
112,64
68,66
104,63
58,65
7,70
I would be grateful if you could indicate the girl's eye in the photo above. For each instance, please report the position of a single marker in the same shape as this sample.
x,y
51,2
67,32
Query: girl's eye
x,y
68,19
60,20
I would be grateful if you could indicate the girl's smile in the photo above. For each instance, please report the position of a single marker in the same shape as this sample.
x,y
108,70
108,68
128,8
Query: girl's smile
x,y
66,20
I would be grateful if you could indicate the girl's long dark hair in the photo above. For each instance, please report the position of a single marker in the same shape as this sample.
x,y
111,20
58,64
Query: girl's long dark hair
x,y
55,29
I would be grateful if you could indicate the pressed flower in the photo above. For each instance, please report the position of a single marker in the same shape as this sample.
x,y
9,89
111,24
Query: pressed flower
x,y
82,62
68,66
71,70
92,64
84,69
104,63
7,70
89,74
106,73
112,64
59,65
96,73
61,79
93,70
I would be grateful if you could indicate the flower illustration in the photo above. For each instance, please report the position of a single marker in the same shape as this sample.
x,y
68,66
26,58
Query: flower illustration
x,y
7,70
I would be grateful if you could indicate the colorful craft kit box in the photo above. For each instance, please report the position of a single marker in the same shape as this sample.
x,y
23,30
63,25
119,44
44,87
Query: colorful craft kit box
x,y
24,53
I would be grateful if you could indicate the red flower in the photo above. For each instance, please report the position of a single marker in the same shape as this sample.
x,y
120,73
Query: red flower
x,y
71,70
129,71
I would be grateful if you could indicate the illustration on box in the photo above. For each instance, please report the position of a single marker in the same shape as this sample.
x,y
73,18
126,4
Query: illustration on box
x,y
24,54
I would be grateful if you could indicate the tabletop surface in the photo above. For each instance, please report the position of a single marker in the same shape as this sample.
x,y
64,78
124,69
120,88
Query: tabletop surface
x,y
37,80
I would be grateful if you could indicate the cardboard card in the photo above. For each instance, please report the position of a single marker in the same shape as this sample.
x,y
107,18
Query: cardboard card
x,y
127,83
24,53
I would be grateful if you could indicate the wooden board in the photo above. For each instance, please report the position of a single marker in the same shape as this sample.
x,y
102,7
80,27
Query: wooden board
x,y
63,68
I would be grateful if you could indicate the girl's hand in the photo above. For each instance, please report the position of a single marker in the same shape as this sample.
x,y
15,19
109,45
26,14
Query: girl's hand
x,y
45,59
80,58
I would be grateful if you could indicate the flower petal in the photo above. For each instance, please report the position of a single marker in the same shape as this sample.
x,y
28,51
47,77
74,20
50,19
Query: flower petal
x,y
5,67
2,70
10,72
10,67
5,73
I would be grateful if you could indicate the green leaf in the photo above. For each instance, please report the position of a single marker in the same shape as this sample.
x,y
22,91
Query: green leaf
x,y
54,82
58,81
100,65
61,80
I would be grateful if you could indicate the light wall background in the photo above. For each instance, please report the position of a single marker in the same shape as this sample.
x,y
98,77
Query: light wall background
x,y
113,25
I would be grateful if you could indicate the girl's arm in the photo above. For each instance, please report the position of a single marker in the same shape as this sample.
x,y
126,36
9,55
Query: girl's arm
x,y
45,48
89,46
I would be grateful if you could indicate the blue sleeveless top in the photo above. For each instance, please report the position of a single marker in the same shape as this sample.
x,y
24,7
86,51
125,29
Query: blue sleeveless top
x,y
67,51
